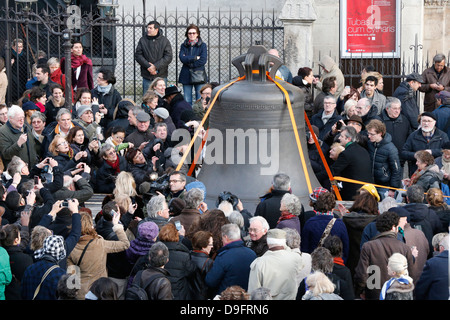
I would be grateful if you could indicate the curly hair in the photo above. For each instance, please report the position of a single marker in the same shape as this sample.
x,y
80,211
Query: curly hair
x,y
325,202
425,157
322,260
435,197
234,293
386,221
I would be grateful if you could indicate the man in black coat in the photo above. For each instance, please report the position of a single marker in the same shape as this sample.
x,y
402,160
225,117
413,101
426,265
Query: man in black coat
x,y
154,54
352,163
269,207
405,92
427,137
397,125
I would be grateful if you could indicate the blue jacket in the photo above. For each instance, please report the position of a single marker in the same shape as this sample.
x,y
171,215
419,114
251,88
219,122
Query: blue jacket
x,y
314,228
188,56
385,159
433,283
442,117
231,267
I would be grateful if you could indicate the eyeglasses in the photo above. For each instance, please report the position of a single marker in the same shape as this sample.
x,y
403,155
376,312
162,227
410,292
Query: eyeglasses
x,y
111,153
174,181
254,230
192,32
64,143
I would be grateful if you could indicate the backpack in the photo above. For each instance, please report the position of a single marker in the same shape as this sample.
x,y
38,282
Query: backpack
x,y
137,292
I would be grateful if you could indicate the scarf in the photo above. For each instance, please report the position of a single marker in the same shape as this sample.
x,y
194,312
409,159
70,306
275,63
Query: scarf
x,y
326,117
339,261
389,283
53,246
104,89
115,165
329,213
286,215
193,42
40,106
77,61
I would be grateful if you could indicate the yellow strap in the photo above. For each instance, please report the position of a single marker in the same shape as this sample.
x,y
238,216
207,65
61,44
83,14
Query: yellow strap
x,y
183,158
297,138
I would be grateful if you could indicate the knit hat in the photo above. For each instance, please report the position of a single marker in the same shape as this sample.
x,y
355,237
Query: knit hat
x,y
442,95
370,188
82,109
161,112
176,205
148,230
54,246
29,105
428,114
316,193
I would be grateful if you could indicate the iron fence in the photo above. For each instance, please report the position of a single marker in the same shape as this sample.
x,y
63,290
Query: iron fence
x,y
227,33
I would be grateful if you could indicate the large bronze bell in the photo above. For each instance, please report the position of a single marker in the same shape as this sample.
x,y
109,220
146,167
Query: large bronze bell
x,y
251,135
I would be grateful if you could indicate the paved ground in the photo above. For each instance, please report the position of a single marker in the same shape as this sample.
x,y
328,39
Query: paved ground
x,y
95,203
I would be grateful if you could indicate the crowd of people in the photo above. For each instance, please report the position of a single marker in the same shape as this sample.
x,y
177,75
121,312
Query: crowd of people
x,y
155,231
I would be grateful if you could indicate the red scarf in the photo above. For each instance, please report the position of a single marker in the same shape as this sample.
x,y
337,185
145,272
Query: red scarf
x,y
79,60
115,165
41,106
339,261
286,215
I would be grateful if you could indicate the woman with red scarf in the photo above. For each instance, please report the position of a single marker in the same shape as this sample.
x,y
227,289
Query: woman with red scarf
x,y
82,75
290,207
111,166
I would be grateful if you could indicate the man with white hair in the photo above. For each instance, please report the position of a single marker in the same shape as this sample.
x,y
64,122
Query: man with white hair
x,y
158,211
277,269
258,234
269,207
16,139
191,212
433,283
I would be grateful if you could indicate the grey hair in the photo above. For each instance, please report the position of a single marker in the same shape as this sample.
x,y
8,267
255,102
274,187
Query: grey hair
x,y
293,238
386,204
232,231
136,109
39,115
392,100
444,242
15,165
155,205
261,293
236,218
14,110
226,207
330,98
350,132
439,57
292,203
262,220
52,61
437,238
415,194
105,148
194,198
281,181
62,112
158,255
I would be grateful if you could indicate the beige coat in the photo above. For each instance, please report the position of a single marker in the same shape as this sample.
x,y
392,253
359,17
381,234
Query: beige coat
x,y
3,85
93,265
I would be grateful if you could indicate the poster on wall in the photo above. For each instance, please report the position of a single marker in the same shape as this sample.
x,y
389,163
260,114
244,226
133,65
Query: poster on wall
x,y
369,28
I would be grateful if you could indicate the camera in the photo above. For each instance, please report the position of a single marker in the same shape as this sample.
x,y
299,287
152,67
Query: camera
x,y
65,203
160,185
227,196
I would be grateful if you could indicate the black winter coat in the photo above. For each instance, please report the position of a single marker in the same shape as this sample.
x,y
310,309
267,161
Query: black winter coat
x,y
110,99
410,108
182,271
316,120
19,262
386,166
269,208
156,50
398,128
416,141
106,176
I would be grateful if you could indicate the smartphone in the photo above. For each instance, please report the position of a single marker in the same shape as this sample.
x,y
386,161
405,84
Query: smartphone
x,y
36,179
178,225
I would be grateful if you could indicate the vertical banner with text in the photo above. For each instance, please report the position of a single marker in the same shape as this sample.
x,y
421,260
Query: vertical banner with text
x,y
370,28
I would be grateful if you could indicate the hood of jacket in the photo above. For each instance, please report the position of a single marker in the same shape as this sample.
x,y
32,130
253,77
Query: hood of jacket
x,y
327,63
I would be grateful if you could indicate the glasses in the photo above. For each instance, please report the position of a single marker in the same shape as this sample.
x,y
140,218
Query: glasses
x,y
192,32
119,137
111,153
254,230
174,181
64,143
329,103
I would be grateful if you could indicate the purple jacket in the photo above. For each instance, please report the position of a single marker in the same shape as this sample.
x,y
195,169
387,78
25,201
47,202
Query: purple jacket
x,y
293,223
